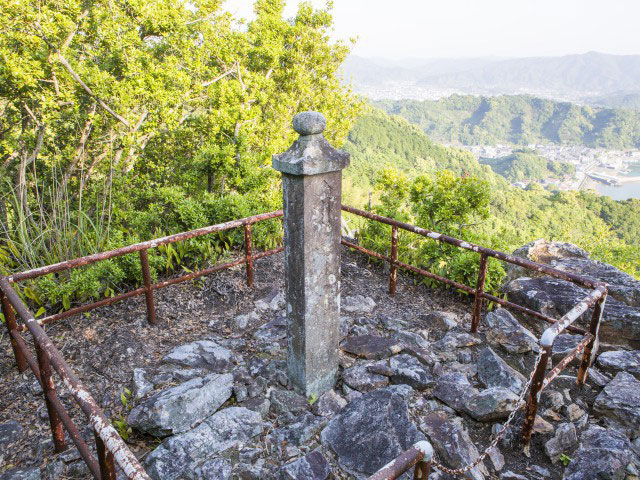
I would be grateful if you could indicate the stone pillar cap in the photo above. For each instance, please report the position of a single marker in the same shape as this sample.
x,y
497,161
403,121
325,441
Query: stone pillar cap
x,y
310,154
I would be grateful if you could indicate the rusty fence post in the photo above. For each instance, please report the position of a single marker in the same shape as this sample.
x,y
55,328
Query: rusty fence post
x,y
57,431
594,328
534,395
12,326
393,270
477,307
422,470
105,460
248,254
148,289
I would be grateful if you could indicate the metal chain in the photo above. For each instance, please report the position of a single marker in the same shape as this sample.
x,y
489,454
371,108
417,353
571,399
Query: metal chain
x,y
499,435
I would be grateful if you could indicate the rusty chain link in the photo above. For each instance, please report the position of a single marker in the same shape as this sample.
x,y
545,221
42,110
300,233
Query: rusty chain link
x,y
499,435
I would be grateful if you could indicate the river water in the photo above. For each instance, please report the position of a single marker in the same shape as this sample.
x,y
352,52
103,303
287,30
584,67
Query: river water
x,y
624,191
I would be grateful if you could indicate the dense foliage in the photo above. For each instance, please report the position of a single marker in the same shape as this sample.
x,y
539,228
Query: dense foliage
x,y
525,165
520,120
123,121
470,201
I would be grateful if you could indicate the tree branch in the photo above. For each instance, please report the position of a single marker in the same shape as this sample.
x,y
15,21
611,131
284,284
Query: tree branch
x,y
86,88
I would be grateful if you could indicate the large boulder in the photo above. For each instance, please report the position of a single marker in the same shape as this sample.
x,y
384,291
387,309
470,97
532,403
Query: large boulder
x,y
201,354
452,443
571,258
493,371
506,332
312,466
491,404
409,370
371,431
603,454
182,456
176,409
454,389
554,297
619,403
620,361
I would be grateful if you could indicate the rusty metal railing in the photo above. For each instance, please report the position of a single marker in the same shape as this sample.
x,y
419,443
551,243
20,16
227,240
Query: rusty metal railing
x,y
110,448
418,456
538,378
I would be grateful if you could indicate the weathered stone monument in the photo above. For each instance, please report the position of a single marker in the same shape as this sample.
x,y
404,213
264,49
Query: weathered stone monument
x,y
312,187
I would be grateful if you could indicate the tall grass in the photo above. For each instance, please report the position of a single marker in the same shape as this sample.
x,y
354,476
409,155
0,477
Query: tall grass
x,y
51,226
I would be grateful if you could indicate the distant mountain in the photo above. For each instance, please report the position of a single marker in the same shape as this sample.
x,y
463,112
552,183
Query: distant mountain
x,y
590,77
587,74
620,100
519,120
376,71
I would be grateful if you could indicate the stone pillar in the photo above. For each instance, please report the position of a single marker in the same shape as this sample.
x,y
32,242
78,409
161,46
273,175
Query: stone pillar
x,y
312,188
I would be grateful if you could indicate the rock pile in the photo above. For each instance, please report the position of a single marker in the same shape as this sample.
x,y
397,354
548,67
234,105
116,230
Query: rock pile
x,y
222,407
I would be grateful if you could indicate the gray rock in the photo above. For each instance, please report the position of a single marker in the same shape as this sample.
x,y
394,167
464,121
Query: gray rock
x,y
180,455
553,297
407,369
9,432
371,347
619,403
371,431
412,340
597,377
438,320
257,404
360,379
454,389
564,440
504,330
620,361
509,475
357,304
214,469
452,443
603,454
272,331
494,372
201,354
453,340
491,404
303,429
563,345
273,301
32,473
140,386
245,321
328,404
312,466
178,408
285,401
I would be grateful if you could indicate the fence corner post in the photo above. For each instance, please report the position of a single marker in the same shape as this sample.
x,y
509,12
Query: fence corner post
x,y
479,300
148,288
312,189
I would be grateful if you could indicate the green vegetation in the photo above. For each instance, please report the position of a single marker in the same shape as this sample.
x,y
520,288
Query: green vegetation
x,y
447,190
124,121
519,120
524,166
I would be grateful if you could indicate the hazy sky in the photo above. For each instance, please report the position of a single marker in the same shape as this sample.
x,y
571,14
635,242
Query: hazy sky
x,y
465,28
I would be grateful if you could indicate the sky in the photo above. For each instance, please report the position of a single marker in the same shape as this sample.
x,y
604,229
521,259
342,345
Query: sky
x,y
479,28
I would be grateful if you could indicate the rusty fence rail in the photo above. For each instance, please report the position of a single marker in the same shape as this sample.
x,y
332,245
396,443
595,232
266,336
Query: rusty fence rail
x,y
540,379
109,446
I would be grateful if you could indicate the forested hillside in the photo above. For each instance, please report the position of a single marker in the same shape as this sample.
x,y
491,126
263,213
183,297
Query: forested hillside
x,y
414,165
525,165
520,120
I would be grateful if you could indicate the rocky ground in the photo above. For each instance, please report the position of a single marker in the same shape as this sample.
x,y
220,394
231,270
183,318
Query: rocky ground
x,y
205,395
